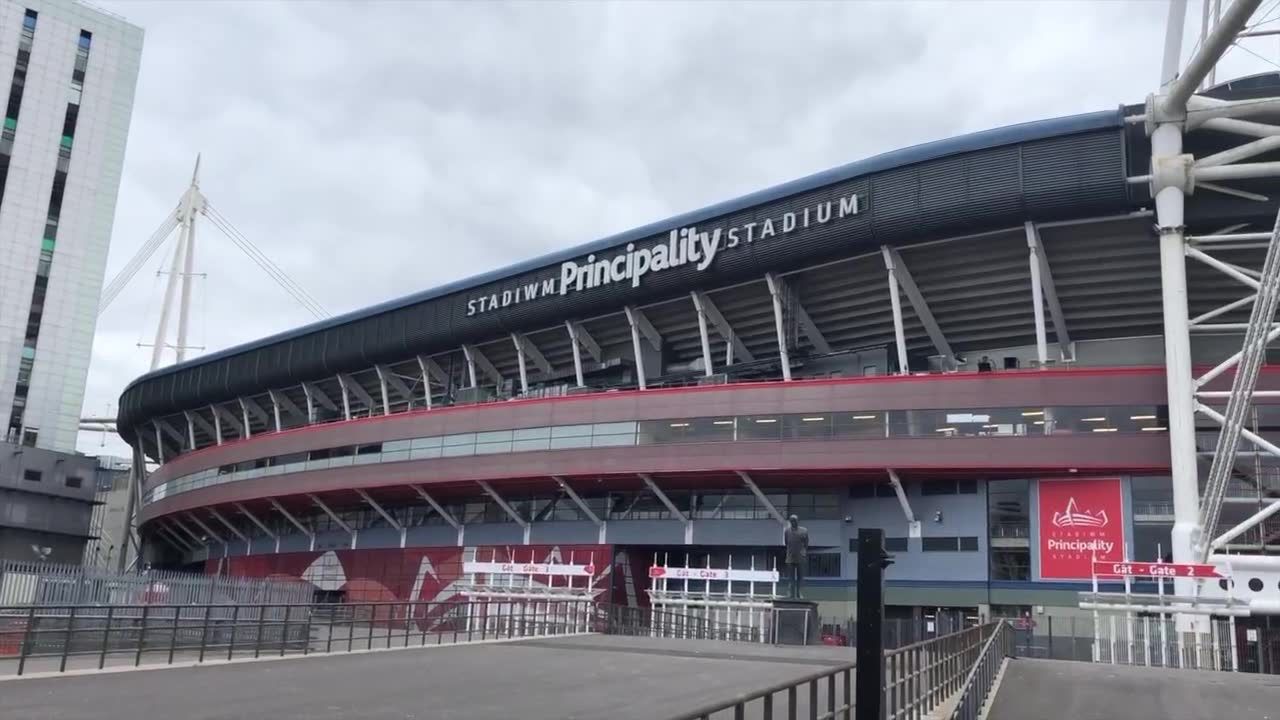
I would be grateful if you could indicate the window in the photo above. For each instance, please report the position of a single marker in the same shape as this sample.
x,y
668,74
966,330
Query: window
x,y
823,565
891,544
949,487
1011,564
867,490
32,475
74,482
949,544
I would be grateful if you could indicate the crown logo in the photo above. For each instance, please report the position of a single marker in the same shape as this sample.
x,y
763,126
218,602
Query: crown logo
x,y
1074,517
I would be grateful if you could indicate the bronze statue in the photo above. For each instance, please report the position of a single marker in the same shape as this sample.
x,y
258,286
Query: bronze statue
x,y
796,540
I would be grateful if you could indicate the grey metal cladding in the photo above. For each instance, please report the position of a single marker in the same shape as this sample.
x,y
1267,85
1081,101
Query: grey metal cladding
x,y
1071,175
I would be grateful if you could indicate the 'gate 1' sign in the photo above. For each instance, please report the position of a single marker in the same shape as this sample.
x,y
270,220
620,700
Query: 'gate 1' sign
x,y
1156,570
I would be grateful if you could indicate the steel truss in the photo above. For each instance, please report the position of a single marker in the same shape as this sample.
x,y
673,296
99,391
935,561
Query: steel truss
x,y
1170,113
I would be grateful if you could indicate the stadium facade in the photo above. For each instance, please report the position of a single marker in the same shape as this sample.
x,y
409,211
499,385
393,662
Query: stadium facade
x,y
958,342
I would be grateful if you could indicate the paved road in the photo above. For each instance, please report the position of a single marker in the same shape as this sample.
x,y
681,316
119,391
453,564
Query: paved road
x,y
583,677
1066,690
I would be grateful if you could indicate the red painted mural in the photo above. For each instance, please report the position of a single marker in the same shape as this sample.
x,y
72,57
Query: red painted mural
x,y
432,574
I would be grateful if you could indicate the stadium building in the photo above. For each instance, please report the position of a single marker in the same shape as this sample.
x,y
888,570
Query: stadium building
x,y
959,342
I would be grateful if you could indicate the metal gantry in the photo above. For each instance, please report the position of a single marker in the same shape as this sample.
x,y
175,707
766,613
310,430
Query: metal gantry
x,y
1170,113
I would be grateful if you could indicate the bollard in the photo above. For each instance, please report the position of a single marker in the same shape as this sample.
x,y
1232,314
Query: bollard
x,y
872,560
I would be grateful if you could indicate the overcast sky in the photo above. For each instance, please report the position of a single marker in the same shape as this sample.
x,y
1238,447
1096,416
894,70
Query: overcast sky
x,y
377,149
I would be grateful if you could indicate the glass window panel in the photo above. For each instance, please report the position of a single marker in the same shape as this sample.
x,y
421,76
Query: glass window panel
x,y
493,448
425,442
614,428
459,439
531,444
395,456
565,431
425,453
537,433
613,440
458,450
493,436
396,445
368,458
575,441
810,426
759,427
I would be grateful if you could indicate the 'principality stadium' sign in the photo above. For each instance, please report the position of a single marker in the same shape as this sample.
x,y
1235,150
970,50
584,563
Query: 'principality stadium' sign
x,y
1081,521
682,246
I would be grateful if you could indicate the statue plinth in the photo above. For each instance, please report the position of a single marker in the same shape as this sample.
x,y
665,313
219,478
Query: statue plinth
x,y
795,622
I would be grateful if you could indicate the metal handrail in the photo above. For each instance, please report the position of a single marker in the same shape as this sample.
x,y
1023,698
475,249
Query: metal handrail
x,y
77,637
919,678
739,702
973,694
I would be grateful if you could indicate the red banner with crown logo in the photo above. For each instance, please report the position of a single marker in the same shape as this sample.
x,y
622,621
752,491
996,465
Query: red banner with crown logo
x,y
1080,520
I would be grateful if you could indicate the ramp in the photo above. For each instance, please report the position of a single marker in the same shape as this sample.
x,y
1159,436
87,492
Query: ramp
x,y
1066,690
587,677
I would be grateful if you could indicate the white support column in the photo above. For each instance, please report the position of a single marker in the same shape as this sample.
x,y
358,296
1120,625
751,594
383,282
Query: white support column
x,y
260,524
244,417
191,430
234,530
275,410
382,388
662,497
159,444
524,370
524,524
426,380
755,490
471,366
895,301
1037,298
334,516
175,521
633,321
586,509
193,416
779,323
708,365
577,352
217,424
311,404
346,397
918,303
448,516
913,525
289,516
395,524
208,530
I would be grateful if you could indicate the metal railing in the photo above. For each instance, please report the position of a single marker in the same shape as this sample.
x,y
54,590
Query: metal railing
x,y
43,639
982,677
50,585
79,637
918,679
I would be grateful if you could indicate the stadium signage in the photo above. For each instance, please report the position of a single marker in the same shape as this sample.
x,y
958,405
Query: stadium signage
x,y
1081,522
689,245
530,568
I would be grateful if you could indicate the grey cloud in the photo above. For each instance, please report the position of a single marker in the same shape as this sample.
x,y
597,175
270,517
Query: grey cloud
x,y
376,149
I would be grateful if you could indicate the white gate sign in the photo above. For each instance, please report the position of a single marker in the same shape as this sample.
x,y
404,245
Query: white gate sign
x,y
518,568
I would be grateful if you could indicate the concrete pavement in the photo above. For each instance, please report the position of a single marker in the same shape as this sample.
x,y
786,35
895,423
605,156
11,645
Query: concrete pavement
x,y
1066,690
583,677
